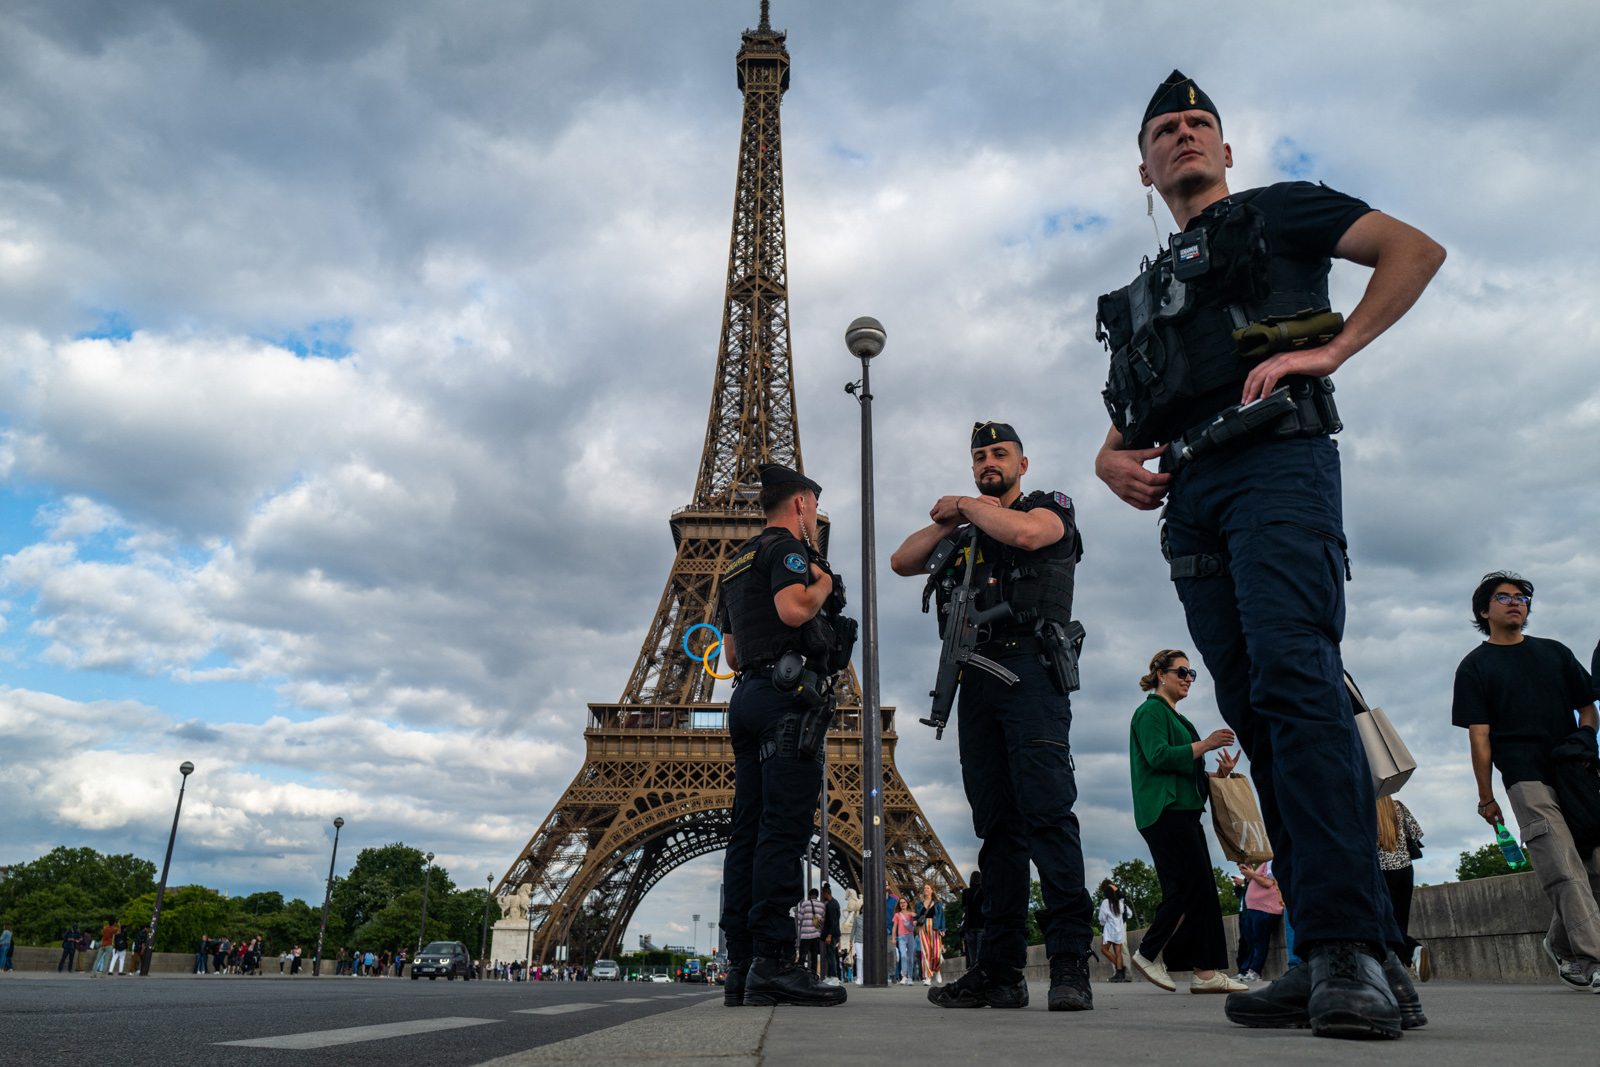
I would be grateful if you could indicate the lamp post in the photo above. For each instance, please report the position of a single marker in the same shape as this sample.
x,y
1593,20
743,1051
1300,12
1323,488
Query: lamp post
x,y
186,769
695,932
327,895
864,338
483,942
426,879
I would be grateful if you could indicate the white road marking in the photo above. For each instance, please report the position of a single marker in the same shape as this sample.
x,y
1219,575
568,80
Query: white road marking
x,y
352,1034
555,1009
631,1000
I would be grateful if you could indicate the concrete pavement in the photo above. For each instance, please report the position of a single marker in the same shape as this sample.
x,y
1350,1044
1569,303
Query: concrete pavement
x,y
1469,1024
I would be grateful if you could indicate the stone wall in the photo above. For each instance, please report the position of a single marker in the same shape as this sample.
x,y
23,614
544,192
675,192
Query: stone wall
x,y
1485,930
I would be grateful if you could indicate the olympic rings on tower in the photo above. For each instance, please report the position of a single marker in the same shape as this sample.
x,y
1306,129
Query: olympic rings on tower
x,y
711,650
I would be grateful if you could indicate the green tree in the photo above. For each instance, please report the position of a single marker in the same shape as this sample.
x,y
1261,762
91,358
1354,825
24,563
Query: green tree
x,y
395,926
188,913
69,885
1487,862
378,878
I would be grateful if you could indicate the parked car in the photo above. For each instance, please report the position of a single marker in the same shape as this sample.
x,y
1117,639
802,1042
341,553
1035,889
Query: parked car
x,y
664,979
606,971
443,958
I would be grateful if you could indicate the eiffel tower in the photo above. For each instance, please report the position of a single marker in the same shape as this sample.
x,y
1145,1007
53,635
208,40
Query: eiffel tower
x,y
656,786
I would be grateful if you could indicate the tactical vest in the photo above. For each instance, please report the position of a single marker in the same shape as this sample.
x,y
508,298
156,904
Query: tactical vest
x,y
1038,585
760,635
1170,332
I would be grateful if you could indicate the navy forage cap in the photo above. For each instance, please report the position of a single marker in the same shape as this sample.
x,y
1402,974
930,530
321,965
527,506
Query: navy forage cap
x,y
992,433
1178,93
777,474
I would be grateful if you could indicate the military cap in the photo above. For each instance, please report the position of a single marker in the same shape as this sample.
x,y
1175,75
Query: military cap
x,y
990,433
777,474
1178,93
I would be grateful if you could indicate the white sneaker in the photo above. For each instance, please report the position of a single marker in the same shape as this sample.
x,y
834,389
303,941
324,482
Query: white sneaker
x,y
1419,962
1153,972
1217,983
927,981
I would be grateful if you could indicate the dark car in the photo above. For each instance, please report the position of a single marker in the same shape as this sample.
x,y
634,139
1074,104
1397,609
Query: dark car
x,y
445,959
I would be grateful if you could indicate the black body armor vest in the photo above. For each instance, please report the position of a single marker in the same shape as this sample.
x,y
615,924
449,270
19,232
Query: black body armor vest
x,y
760,635
1170,332
1038,585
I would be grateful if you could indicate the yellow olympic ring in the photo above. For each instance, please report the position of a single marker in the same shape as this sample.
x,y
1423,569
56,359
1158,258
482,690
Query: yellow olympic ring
x,y
707,662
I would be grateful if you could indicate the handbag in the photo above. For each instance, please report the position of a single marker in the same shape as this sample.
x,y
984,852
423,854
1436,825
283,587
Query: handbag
x,y
1388,758
1237,820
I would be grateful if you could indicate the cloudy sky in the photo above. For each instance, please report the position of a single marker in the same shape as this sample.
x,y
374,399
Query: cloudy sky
x,y
353,356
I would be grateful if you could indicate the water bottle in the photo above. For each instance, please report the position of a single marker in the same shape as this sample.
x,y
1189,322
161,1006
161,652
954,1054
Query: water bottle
x,y
1508,845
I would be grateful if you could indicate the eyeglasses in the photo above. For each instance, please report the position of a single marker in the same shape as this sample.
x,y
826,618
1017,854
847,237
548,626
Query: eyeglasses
x,y
1185,674
1507,598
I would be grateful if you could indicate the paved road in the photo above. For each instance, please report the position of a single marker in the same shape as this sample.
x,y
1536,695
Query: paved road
x,y
1472,1026
288,1023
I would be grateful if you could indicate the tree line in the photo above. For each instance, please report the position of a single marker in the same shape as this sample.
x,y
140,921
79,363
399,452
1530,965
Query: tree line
x,y
377,906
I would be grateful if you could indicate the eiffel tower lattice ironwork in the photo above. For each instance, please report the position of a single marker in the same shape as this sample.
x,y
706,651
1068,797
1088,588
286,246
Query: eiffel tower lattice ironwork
x,y
656,787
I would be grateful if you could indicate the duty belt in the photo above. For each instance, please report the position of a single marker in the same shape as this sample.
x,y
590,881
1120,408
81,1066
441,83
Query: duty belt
x,y
1011,645
1305,409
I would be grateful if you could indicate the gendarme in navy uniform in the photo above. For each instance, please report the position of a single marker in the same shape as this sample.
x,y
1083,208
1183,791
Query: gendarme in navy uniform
x,y
1221,352
1016,759
784,633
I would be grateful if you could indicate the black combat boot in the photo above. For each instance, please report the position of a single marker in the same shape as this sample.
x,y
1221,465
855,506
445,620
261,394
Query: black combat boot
x,y
775,981
1405,994
733,983
1282,1005
1350,997
1069,983
987,985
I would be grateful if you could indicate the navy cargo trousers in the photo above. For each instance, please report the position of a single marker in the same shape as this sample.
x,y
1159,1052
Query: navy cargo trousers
x,y
1016,766
1269,629
774,811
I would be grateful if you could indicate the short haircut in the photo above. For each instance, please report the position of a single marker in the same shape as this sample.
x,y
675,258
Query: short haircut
x,y
776,496
1161,661
812,893
1490,582
1154,117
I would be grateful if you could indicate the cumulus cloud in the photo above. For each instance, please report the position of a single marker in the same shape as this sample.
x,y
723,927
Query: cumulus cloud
x,y
356,355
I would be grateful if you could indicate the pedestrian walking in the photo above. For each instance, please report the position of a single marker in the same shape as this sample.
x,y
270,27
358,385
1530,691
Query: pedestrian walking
x,y
1170,788
1263,909
1515,694
831,934
853,925
930,935
69,949
1114,915
119,951
809,915
891,907
5,948
1400,843
905,936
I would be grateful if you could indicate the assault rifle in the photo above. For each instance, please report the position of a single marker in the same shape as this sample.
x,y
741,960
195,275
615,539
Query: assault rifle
x,y
963,625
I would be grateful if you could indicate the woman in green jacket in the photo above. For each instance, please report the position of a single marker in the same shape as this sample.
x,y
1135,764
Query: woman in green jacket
x,y
1170,787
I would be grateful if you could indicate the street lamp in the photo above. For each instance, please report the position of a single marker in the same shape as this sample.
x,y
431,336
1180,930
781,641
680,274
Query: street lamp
x,y
327,895
483,942
186,769
426,879
695,929
864,338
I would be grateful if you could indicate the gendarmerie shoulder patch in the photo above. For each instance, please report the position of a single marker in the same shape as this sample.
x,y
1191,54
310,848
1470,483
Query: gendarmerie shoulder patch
x,y
1062,500
795,562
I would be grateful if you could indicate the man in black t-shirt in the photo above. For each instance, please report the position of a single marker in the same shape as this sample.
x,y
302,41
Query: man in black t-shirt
x,y
1515,696
1016,757
1253,527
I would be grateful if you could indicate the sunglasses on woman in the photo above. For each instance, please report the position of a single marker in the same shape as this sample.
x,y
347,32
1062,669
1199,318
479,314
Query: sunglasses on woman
x,y
1185,674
